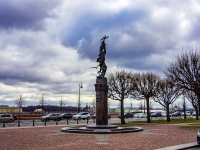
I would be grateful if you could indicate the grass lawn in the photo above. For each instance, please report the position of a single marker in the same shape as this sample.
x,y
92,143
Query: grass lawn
x,y
191,127
173,121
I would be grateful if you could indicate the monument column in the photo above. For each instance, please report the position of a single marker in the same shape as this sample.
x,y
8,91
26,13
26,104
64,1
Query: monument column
x,y
101,89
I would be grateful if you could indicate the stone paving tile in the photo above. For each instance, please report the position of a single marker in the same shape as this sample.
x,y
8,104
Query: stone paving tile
x,y
51,138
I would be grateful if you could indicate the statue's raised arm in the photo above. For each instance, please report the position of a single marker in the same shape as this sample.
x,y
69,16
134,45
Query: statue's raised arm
x,y
105,37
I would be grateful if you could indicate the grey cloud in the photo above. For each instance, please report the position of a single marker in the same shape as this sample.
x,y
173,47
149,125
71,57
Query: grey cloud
x,y
25,14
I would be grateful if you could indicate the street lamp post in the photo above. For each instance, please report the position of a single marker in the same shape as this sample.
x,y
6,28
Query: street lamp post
x,y
79,97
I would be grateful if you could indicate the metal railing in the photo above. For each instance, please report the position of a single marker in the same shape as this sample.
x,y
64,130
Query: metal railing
x,y
20,123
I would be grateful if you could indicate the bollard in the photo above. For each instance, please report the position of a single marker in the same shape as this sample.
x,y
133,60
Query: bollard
x,y
45,122
77,120
56,121
87,120
4,124
67,121
33,122
18,123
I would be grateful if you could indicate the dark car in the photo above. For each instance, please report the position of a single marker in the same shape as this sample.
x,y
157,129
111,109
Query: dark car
x,y
66,116
156,114
176,114
52,116
127,115
94,116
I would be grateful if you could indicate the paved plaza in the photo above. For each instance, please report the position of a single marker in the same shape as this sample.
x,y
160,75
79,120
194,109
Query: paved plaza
x,y
51,138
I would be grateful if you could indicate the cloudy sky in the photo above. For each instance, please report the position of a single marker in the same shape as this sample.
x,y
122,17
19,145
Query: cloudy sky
x,y
47,47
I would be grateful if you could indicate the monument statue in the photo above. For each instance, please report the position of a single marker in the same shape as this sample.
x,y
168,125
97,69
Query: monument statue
x,y
101,58
101,89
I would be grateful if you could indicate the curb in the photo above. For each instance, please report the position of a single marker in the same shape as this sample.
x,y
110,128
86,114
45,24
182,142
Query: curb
x,y
180,147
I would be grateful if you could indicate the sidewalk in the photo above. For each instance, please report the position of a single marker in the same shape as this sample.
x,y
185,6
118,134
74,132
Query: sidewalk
x,y
50,138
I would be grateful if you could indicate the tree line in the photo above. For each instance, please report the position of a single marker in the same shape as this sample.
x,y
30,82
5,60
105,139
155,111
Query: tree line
x,y
54,108
181,77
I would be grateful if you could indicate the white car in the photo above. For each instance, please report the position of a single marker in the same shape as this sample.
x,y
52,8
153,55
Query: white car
x,y
164,114
194,113
142,115
136,115
81,115
187,113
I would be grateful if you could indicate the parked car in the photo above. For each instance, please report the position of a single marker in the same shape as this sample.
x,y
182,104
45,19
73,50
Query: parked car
x,y
187,113
81,115
94,116
142,115
6,118
156,114
194,113
176,114
15,117
127,115
198,137
66,116
164,114
136,115
52,116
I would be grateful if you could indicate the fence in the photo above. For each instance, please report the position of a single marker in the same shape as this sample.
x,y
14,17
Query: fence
x,y
19,123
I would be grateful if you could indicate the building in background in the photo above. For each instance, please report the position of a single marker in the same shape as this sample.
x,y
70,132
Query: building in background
x,y
11,110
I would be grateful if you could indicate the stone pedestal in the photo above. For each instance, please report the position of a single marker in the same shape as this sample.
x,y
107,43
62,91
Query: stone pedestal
x,y
101,89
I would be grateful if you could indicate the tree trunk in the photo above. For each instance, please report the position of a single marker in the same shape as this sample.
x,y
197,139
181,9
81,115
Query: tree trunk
x,y
19,113
184,110
198,96
168,117
197,114
61,109
148,110
42,107
122,112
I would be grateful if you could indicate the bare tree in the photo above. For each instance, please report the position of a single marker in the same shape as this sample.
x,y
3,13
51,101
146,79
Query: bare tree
x,y
119,88
145,86
20,102
184,71
192,98
166,94
42,103
62,104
